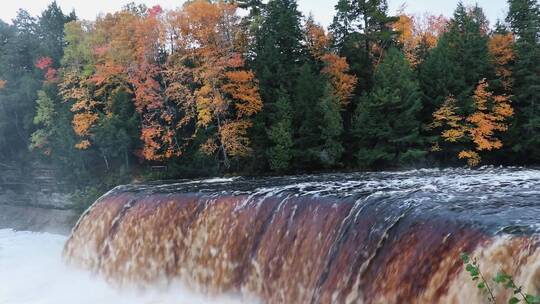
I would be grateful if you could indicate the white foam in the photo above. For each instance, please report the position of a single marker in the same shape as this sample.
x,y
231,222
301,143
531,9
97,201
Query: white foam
x,y
32,272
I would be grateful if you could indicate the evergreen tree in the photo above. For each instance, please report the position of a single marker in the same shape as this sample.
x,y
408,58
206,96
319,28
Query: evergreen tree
x,y
362,31
19,53
455,66
524,137
307,93
330,126
50,31
279,53
280,135
317,122
22,46
459,61
254,6
386,125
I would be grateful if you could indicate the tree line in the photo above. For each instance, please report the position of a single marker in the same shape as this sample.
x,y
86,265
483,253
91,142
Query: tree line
x,y
249,87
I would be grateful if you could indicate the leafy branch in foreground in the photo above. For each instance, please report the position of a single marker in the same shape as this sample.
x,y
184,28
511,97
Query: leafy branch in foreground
x,y
503,279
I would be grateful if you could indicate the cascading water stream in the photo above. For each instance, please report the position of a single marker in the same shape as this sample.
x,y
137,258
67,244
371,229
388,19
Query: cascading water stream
x,y
342,238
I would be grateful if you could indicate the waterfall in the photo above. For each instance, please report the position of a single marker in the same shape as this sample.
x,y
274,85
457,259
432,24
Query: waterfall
x,y
342,238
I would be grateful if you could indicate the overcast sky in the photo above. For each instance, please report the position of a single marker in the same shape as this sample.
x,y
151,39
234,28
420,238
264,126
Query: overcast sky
x,y
322,9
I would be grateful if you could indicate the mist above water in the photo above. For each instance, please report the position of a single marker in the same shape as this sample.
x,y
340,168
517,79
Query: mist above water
x,y
32,272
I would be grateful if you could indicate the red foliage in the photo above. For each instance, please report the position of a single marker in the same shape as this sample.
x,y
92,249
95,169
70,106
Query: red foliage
x,y
155,10
51,74
44,63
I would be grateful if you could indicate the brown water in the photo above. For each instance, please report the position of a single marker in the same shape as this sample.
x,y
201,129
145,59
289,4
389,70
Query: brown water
x,y
344,238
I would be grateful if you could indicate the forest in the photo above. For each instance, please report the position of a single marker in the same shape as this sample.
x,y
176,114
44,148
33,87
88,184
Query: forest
x,y
257,88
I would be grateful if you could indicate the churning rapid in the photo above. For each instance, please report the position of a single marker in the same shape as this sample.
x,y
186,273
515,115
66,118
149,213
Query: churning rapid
x,y
342,238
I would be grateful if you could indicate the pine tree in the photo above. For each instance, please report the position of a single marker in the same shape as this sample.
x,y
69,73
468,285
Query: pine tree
x,y
330,127
18,54
459,61
362,31
280,135
254,6
279,54
454,68
386,125
524,136
307,93
318,123
51,32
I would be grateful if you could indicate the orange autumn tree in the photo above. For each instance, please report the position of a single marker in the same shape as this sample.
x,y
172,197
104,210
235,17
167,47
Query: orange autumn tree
x,y
129,47
405,27
123,48
419,33
76,83
477,130
207,80
75,86
85,107
336,67
2,84
501,48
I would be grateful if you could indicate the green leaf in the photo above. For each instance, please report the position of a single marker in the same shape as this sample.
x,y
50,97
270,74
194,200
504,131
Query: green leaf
x,y
532,299
501,277
513,300
465,258
511,285
482,285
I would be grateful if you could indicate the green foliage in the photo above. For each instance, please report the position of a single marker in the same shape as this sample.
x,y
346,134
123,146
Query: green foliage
x,y
21,45
460,60
279,53
19,51
330,149
78,51
386,125
302,126
116,134
454,67
50,30
358,26
524,136
308,91
280,135
502,279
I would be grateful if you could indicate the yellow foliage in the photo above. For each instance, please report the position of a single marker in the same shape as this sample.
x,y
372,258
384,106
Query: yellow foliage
x,y
473,158
241,85
83,122
335,67
318,42
501,48
209,147
479,127
404,26
415,30
83,145
214,91
234,137
343,84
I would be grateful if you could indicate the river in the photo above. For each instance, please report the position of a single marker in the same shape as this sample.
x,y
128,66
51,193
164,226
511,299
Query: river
x,y
387,237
